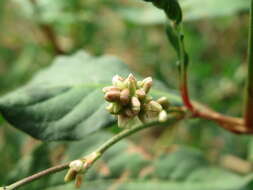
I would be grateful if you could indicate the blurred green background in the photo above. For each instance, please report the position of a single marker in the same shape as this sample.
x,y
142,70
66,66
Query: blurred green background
x,y
34,32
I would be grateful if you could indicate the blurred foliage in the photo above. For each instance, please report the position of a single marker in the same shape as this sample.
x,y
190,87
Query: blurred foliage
x,y
33,32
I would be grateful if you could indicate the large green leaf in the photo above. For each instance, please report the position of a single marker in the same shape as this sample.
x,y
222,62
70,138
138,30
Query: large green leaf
x,y
147,14
65,101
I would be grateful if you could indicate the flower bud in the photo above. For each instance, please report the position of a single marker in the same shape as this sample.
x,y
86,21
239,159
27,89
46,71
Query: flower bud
x,y
131,84
140,84
118,81
125,96
71,175
112,96
136,105
148,98
76,165
110,88
154,106
147,84
114,108
164,102
163,116
140,94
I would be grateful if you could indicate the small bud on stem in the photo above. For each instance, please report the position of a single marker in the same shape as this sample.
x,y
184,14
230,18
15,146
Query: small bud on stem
x,y
163,116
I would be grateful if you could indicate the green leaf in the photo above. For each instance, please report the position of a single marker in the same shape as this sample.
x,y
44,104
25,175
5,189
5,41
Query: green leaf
x,y
219,184
174,11
170,7
147,14
173,37
65,101
179,164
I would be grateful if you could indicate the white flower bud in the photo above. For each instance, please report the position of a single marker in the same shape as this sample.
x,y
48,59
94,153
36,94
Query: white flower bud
x,y
164,102
163,116
154,106
136,105
114,108
118,81
76,165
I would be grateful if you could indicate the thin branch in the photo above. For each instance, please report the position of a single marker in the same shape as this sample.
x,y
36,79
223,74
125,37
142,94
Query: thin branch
x,y
183,68
48,31
235,125
36,176
52,38
125,133
232,124
248,115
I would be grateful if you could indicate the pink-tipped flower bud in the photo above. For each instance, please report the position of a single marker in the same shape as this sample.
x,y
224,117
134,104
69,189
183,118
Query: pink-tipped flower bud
x,y
140,94
110,88
112,96
147,84
125,96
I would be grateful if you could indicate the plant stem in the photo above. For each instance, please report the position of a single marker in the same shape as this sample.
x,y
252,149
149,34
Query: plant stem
x,y
248,115
48,31
99,151
183,70
36,176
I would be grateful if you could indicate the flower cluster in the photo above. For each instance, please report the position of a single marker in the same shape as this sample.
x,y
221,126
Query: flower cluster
x,y
130,102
